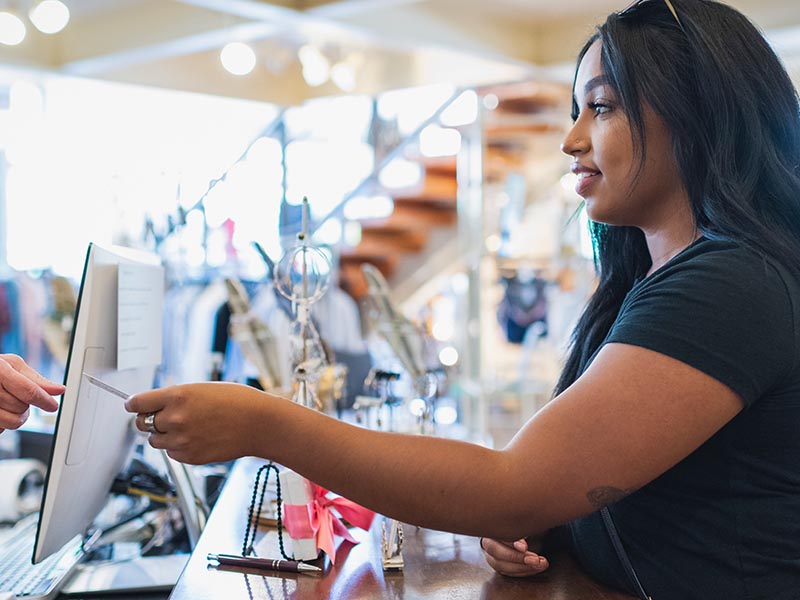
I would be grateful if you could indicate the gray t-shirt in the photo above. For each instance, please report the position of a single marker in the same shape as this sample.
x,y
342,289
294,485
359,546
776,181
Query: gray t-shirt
x,y
725,521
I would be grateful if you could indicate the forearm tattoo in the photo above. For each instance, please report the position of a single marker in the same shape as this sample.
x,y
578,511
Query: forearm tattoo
x,y
603,496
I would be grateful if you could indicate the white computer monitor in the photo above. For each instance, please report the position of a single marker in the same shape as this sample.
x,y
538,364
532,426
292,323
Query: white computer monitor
x,y
116,337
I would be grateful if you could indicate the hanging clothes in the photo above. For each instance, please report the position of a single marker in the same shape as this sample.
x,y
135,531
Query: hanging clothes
x,y
524,303
337,317
5,314
197,361
12,341
32,310
178,302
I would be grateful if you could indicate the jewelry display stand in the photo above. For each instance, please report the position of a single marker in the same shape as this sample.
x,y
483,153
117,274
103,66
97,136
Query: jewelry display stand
x,y
253,336
302,276
406,342
392,545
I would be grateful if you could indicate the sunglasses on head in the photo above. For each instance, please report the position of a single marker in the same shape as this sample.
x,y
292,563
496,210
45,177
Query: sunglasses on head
x,y
669,6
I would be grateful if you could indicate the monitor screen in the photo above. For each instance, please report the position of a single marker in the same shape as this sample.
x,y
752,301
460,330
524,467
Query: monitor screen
x,y
116,338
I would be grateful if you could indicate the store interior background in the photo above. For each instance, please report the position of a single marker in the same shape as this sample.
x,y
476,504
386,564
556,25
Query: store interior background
x,y
425,134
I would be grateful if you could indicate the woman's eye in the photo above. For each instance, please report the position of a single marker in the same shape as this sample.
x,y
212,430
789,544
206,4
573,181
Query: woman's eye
x,y
599,108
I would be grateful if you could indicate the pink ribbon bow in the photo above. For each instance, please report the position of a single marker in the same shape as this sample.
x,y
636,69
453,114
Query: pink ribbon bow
x,y
316,519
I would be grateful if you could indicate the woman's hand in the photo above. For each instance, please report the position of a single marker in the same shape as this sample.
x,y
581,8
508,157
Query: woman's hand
x,y
514,559
202,422
21,386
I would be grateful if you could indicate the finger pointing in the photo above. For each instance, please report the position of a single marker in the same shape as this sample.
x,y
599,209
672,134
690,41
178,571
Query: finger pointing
x,y
147,402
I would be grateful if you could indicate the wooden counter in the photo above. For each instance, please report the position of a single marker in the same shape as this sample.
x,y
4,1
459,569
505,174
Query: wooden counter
x,y
437,565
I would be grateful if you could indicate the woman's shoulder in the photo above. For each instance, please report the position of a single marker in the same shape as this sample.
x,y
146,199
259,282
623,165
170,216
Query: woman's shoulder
x,y
725,309
731,262
722,276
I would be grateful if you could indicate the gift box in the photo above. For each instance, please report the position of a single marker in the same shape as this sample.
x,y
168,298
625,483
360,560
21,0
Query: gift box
x,y
310,520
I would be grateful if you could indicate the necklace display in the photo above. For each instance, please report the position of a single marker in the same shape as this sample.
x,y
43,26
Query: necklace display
x,y
407,342
303,276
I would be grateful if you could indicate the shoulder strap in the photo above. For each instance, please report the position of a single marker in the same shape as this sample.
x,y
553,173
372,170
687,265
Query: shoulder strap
x,y
621,554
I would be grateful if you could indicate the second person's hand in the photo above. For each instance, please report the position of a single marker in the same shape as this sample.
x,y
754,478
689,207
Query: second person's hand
x,y
513,559
21,387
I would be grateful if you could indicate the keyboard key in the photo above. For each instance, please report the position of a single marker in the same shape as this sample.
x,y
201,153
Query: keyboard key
x,y
24,579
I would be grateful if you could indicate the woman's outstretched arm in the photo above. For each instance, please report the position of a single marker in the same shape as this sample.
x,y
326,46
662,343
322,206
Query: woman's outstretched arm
x,y
630,417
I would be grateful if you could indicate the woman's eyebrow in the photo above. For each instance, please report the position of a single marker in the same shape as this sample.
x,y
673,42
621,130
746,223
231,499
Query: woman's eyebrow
x,y
594,82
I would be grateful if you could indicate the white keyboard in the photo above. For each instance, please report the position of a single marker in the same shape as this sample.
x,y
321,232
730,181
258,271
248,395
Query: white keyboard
x,y
25,580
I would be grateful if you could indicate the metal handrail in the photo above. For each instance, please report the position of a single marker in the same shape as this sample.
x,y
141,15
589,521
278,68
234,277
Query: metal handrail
x,y
390,156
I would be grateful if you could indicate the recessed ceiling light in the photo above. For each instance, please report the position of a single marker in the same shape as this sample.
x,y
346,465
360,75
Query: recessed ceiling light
x,y
49,16
12,29
238,58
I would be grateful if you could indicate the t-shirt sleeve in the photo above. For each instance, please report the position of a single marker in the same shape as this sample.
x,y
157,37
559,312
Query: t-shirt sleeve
x,y
727,314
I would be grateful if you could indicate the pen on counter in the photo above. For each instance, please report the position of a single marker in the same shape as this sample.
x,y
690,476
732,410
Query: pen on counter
x,y
270,564
104,386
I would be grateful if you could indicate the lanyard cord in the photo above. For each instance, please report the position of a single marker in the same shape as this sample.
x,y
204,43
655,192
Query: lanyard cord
x,y
621,554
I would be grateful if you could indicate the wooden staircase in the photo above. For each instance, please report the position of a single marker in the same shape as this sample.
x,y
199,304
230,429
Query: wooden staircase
x,y
428,210
384,242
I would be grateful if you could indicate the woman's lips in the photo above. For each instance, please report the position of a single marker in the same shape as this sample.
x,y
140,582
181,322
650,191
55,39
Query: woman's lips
x,y
585,179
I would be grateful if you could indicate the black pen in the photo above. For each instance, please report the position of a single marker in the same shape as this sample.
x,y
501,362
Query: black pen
x,y
271,564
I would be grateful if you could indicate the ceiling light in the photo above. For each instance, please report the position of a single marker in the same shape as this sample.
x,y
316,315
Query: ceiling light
x,y
343,76
316,66
49,16
491,101
238,58
12,29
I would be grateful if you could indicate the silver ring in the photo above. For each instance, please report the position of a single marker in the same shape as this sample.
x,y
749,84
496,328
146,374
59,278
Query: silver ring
x,y
150,423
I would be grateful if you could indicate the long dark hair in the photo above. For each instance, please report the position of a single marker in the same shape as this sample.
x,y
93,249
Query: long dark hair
x,y
734,119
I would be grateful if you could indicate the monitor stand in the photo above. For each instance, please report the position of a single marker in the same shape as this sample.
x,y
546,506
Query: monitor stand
x,y
144,574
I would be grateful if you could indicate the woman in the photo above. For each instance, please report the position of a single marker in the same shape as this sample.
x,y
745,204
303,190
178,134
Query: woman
x,y
723,522
679,404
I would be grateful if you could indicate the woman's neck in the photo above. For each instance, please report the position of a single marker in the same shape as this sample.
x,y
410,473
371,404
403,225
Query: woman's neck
x,y
665,245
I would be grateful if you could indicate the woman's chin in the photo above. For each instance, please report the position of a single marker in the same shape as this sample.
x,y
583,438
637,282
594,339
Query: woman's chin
x,y
601,212
594,212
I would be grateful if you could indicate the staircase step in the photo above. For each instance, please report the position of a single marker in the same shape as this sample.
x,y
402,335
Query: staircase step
x,y
441,166
391,239
528,97
352,279
514,131
435,187
501,159
415,214
386,263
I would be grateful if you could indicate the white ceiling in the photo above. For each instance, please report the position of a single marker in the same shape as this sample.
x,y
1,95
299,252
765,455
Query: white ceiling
x,y
176,43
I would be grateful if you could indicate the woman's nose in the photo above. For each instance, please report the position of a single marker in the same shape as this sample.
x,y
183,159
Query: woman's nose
x,y
574,142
